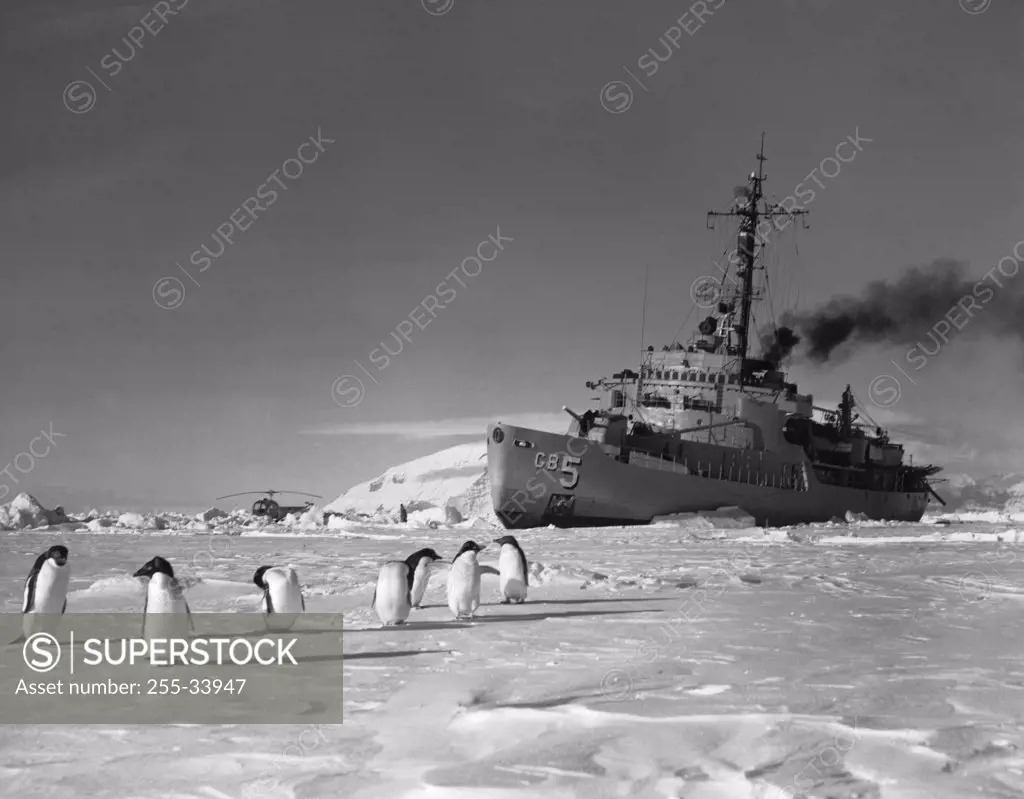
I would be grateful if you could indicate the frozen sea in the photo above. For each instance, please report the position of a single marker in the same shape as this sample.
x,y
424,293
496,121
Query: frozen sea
x,y
675,660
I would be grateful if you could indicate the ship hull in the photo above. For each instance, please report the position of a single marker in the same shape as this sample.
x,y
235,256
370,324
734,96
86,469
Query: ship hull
x,y
540,478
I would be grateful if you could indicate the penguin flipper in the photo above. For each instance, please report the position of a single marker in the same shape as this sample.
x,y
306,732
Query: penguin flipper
x,y
373,602
29,600
30,594
188,612
526,568
64,607
302,599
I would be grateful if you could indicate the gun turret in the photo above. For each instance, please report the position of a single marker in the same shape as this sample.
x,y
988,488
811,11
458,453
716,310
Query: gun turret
x,y
572,413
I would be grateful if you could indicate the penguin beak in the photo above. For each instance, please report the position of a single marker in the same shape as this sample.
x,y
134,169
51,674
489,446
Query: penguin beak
x,y
143,572
60,560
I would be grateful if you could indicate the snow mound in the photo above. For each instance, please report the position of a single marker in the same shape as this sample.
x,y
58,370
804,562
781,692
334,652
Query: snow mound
x,y
727,518
544,574
121,584
476,523
25,512
211,514
975,517
428,517
340,523
776,536
944,534
310,519
448,486
139,521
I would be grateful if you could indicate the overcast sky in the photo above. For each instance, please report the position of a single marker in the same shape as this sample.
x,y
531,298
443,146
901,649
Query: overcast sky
x,y
426,134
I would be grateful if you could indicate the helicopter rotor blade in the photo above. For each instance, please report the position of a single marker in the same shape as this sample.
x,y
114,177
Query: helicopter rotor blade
x,y
270,493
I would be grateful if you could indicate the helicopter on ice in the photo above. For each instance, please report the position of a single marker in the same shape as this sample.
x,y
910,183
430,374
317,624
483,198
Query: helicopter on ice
x,y
270,508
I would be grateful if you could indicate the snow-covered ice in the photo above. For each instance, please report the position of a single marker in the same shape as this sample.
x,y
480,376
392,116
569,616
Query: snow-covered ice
x,y
840,660
24,511
454,478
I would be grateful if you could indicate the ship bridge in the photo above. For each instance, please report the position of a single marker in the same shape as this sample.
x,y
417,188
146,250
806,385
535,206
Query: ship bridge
x,y
673,382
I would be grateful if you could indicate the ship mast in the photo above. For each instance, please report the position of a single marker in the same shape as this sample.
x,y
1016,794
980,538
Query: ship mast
x,y
749,215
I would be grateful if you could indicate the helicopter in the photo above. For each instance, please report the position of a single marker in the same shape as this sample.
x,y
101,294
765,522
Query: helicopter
x,y
271,509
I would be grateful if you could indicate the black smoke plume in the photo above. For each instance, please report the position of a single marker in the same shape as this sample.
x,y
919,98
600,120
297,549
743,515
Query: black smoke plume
x,y
778,344
914,308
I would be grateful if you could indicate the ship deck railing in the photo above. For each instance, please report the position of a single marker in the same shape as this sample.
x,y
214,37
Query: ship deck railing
x,y
795,480
792,477
734,474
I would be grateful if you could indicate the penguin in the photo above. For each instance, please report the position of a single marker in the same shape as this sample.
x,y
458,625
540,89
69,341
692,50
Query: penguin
x,y
46,591
282,596
164,598
420,563
514,573
464,582
393,596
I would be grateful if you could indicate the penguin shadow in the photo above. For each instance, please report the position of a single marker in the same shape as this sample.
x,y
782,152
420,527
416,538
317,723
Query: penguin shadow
x,y
372,655
566,615
399,654
298,631
597,601
539,704
411,627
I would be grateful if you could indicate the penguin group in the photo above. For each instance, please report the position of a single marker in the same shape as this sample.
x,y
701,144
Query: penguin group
x,y
401,583
46,596
281,603
400,587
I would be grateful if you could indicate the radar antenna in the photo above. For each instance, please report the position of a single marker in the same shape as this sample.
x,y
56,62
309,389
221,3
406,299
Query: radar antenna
x,y
750,215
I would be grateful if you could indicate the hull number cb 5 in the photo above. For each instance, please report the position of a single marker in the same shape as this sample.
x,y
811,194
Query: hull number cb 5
x,y
563,462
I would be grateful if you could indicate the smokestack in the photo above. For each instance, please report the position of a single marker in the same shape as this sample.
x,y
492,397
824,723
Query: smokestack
x,y
926,306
